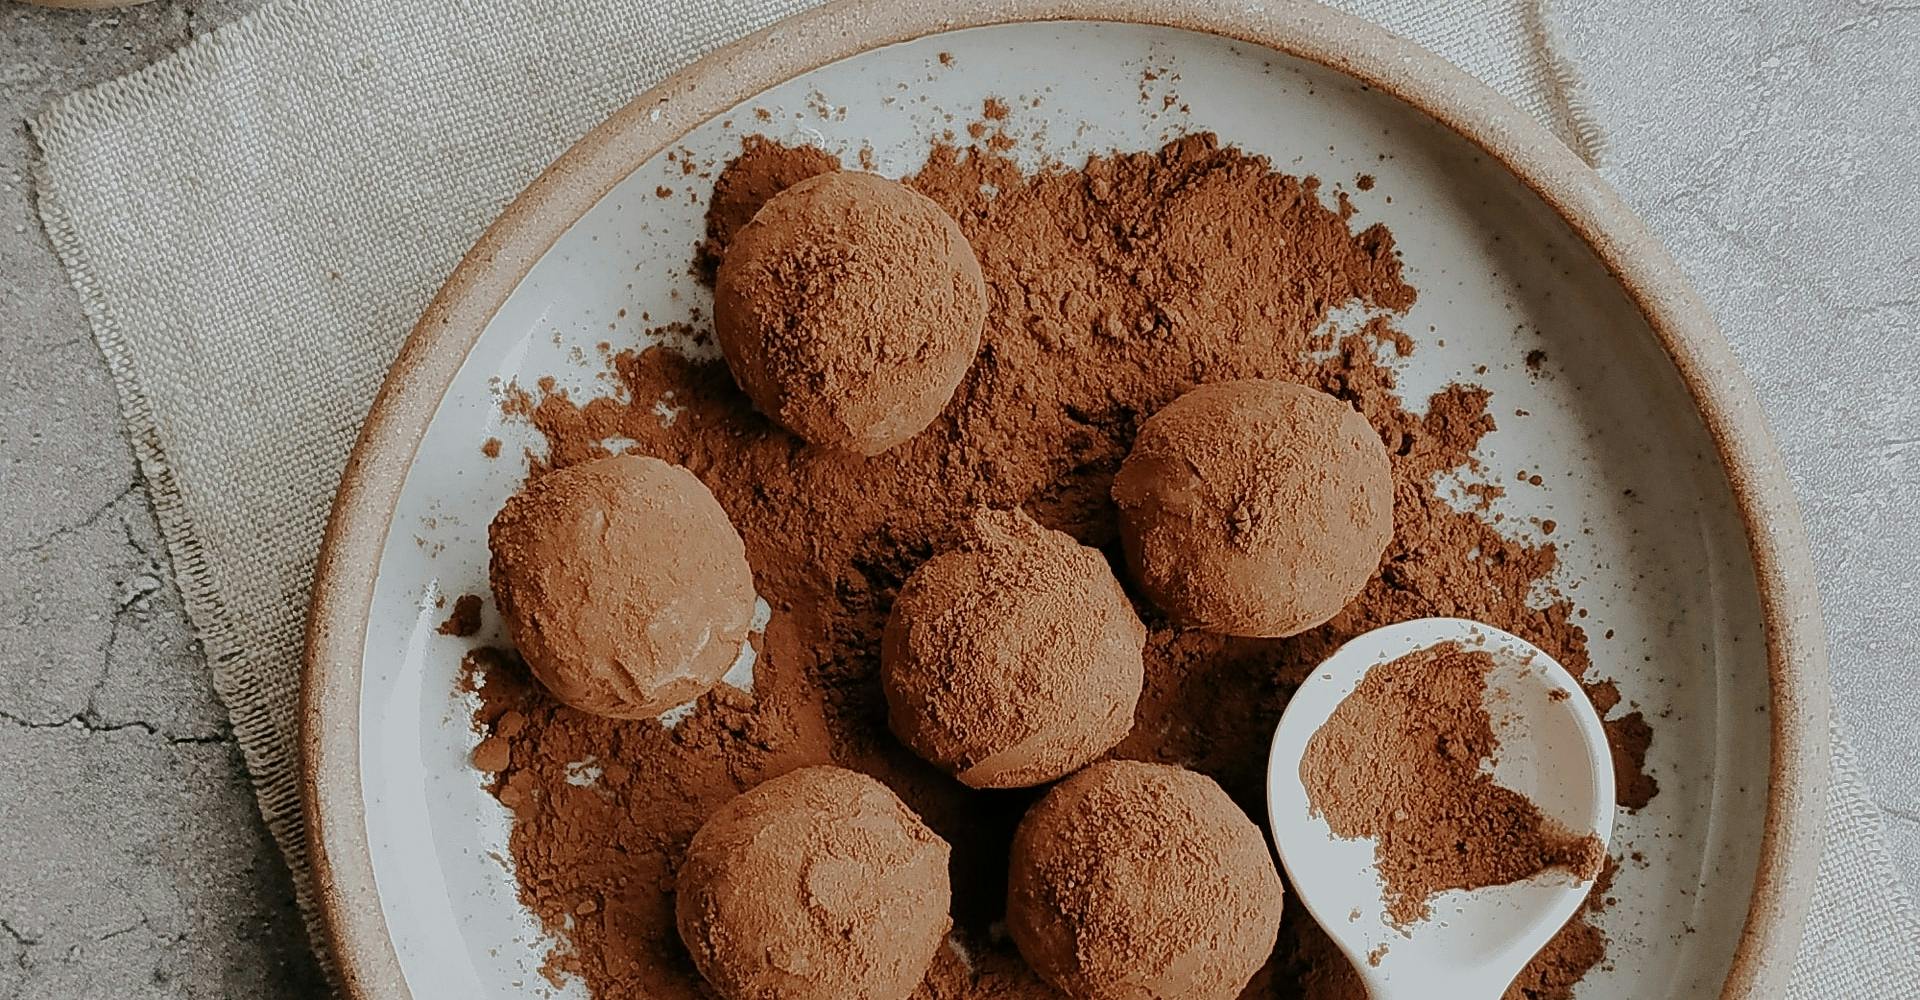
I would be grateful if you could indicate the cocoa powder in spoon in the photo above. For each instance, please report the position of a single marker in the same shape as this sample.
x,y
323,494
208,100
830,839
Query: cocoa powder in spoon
x,y
1400,761
1112,289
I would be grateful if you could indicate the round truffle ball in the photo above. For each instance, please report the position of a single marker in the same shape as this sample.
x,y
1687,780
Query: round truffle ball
x,y
1014,659
817,885
1135,881
1255,508
623,585
849,309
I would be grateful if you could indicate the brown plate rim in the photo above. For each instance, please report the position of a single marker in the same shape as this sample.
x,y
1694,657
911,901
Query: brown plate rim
x,y
369,493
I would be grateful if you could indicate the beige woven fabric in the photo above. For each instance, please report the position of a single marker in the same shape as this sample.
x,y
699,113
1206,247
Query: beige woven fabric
x,y
254,223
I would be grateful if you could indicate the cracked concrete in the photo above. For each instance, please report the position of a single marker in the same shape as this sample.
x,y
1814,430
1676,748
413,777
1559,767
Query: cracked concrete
x,y
133,863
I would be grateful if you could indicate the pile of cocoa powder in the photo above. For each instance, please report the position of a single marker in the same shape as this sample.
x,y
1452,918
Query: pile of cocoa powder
x,y
1113,288
1400,761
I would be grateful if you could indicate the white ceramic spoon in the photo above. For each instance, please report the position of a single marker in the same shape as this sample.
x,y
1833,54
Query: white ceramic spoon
x,y
1552,749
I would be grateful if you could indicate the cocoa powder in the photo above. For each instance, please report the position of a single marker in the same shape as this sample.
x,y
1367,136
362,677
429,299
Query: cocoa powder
x,y
464,619
1111,291
1400,761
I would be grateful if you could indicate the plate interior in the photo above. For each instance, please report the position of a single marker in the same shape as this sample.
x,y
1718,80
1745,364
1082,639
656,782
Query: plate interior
x,y
1652,549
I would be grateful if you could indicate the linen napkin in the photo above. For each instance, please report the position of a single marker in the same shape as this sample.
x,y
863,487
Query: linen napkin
x,y
254,223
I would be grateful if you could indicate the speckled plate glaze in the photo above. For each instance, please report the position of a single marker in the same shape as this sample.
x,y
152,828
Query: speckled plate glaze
x,y
1678,538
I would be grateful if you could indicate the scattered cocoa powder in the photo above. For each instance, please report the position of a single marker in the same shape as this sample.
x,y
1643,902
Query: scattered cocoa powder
x,y
490,447
1111,291
1399,761
465,618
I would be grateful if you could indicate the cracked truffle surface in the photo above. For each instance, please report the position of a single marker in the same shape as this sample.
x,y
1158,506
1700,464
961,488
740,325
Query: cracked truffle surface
x,y
816,885
622,583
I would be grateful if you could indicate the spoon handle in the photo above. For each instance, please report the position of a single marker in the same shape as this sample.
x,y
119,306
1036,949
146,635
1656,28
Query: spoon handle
x,y
1432,983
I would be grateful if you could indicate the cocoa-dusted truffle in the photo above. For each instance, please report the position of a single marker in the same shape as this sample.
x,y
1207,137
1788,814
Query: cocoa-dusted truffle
x,y
817,885
1255,508
1014,659
1143,882
623,584
849,309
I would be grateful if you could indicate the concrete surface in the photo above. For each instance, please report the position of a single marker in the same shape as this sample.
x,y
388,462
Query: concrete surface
x,y
132,861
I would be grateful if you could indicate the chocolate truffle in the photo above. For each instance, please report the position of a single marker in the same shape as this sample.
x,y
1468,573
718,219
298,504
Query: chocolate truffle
x,y
817,885
1256,508
623,584
1014,659
1135,881
849,309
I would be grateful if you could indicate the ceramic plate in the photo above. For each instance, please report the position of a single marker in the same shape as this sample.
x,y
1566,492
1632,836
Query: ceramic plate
x,y
1676,531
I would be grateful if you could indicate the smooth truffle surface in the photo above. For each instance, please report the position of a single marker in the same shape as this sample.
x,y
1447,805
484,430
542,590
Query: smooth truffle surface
x,y
1013,659
817,885
1134,881
1255,508
623,584
849,309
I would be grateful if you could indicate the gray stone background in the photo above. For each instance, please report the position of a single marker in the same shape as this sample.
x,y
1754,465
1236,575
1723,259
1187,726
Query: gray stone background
x,y
132,860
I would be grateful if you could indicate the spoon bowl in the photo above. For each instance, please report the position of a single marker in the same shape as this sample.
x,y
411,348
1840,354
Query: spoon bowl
x,y
1552,749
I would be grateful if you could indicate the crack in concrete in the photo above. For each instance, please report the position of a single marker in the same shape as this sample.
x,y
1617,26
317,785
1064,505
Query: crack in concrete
x,y
90,716
126,528
20,938
91,709
144,923
93,517
87,720
122,931
22,961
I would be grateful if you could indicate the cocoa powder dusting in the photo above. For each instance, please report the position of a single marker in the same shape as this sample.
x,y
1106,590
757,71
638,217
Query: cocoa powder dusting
x,y
1400,761
1112,289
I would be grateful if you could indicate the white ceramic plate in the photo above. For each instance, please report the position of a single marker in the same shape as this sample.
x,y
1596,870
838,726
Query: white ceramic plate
x,y
1653,542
